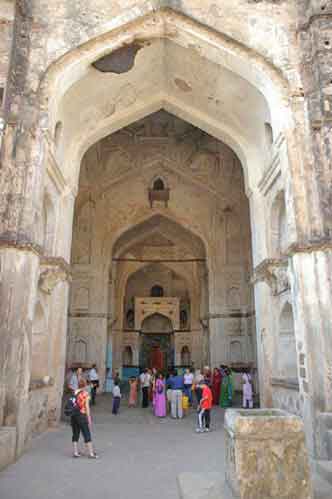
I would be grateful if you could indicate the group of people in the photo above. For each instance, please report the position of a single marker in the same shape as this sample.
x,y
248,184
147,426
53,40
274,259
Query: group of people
x,y
175,392
222,385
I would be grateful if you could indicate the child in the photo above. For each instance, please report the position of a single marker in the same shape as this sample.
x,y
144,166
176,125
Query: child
x,y
247,391
116,397
204,408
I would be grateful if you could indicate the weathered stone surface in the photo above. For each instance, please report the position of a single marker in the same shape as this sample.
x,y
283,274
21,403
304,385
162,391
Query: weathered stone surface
x,y
266,456
255,76
7,446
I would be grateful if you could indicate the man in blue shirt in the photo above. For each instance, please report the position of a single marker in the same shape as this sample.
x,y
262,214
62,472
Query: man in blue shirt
x,y
175,383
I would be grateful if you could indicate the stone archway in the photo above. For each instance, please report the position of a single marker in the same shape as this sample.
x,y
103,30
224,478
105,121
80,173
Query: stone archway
x,y
58,156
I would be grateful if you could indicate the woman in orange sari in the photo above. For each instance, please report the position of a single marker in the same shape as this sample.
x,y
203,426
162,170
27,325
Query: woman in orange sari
x,y
133,392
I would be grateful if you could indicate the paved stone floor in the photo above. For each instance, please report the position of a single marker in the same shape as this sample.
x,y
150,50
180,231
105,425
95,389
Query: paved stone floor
x,y
140,456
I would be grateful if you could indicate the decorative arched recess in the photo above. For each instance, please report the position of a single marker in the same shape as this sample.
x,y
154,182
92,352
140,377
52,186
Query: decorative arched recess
x,y
127,356
157,323
40,344
166,24
185,356
287,358
279,235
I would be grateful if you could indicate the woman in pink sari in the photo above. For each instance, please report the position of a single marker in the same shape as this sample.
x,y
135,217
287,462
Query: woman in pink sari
x,y
160,397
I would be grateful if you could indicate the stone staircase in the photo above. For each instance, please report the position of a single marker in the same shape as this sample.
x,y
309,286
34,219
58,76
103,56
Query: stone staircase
x,y
324,466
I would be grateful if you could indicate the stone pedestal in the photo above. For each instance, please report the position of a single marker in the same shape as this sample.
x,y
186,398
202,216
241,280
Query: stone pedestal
x,y
266,456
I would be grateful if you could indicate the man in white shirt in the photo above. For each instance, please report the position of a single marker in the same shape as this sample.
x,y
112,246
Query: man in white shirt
x,y
188,380
94,379
145,379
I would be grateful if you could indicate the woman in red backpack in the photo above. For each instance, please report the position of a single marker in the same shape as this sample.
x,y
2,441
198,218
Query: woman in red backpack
x,y
81,420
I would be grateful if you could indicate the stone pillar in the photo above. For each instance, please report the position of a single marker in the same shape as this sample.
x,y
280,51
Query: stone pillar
x,y
19,278
312,297
264,342
266,456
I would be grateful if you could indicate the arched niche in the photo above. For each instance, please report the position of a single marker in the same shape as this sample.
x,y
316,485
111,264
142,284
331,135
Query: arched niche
x,y
157,291
279,232
185,356
287,356
158,184
40,344
127,356
49,222
157,324
235,352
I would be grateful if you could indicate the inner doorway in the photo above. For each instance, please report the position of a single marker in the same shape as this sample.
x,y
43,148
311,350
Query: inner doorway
x,y
157,343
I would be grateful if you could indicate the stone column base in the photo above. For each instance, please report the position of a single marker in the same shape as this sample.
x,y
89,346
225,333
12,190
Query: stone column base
x,y
7,446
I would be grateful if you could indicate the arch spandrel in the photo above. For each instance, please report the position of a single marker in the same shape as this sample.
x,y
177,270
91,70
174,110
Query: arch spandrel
x,y
126,235
166,24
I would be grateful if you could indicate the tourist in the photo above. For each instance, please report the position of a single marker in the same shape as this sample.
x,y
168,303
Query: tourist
x,y
247,391
75,379
89,389
204,408
145,380
216,385
197,385
116,398
160,397
188,379
152,387
226,393
207,375
177,387
116,378
93,377
81,421
169,391
132,402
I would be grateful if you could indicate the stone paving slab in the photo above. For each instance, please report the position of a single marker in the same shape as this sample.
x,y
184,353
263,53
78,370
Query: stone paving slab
x,y
203,486
141,457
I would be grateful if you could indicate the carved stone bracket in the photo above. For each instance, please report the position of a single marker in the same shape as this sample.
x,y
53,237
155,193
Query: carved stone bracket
x,y
53,271
274,273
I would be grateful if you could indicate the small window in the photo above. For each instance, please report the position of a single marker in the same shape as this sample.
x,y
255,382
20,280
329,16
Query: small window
x,y
268,134
157,292
158,185
58,133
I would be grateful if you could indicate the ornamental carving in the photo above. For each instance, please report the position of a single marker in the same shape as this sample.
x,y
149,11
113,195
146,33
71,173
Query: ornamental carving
x,y
275,274
51,273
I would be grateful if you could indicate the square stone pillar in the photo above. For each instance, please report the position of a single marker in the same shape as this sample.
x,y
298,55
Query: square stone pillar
x,y
310,273
266,456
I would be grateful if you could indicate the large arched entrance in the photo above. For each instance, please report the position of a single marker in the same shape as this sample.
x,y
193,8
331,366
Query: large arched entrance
x,y
187,144
166,120
177,248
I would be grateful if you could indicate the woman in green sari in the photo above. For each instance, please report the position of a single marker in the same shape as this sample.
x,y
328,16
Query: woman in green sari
x,y
226,393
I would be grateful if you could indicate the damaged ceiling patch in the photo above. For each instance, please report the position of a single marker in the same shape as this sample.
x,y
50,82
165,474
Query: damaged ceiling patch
x,y
120,61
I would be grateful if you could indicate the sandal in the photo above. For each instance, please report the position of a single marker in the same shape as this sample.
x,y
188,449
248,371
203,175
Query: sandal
x,y
93,456
76,455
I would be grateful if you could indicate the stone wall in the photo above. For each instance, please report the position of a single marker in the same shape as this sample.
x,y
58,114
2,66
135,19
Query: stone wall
x,y
38,411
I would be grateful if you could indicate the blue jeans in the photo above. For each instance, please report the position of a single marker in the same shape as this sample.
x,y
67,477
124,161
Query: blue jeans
x,y
188,392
